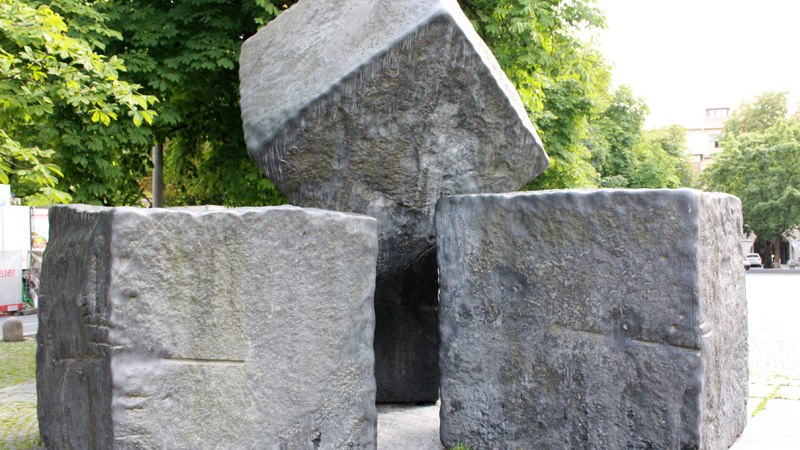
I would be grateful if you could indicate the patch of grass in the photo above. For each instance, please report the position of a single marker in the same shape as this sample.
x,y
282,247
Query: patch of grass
x,y
461,446
763,403
17,362
19,427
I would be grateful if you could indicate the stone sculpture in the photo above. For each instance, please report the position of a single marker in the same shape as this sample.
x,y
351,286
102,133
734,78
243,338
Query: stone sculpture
x,y
12,330
244,328
592,319
380,107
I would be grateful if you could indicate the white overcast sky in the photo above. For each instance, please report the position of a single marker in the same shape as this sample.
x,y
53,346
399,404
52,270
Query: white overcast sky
x,y
683,56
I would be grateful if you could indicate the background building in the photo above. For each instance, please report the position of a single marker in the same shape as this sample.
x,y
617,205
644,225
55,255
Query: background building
x,y
702,137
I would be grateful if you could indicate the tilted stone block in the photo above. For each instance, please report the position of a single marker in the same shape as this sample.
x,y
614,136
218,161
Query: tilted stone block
x,y
592,319
380,107
244,328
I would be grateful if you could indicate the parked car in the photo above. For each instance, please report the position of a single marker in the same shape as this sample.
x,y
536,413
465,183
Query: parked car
x,y
754,259
746,264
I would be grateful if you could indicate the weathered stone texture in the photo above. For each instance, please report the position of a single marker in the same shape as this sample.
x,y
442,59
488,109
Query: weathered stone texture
x,y
380,107
246,328
592,319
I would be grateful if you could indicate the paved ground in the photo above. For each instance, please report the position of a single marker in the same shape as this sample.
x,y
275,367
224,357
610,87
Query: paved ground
x,y
18,425
774,403
774,321
408,427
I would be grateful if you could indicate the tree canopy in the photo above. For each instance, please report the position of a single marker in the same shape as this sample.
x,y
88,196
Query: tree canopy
x,y
185,54
760,164
757,115
57,92
562,79
625,156
186,51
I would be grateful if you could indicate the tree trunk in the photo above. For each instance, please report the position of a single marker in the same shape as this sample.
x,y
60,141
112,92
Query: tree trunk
x,y
158,175
776,253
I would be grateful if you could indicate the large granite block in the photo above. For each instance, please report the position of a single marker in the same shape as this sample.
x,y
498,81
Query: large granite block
x,y
244,328
592,319
380,107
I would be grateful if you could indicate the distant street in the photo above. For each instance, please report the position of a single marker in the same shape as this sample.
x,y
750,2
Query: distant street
x,y
29,323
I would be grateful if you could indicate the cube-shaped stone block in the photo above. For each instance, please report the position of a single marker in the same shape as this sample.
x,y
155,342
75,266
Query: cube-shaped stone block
x,y
380,107
244,328
592,319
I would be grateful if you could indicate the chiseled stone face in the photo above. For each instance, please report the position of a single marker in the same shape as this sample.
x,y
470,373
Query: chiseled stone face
x,y
380,107
244,328
592,319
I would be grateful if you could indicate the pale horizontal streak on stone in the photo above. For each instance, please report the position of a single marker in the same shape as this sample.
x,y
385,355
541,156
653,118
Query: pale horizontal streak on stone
x,y
626,340
204,361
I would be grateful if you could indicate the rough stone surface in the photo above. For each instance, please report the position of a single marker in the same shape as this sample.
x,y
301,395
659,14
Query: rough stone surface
x,y
380,107
246,328
592,319
12,330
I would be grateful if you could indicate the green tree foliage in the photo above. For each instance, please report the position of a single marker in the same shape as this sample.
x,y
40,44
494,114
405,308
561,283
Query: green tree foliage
x,y
187,52
659,160
761,166
563,81
625,156
61,102
758,115
615,131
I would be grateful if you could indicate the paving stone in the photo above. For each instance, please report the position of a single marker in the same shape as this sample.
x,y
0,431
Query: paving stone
x,y
245,328
773,428
789,393
402,427
760,390
592,319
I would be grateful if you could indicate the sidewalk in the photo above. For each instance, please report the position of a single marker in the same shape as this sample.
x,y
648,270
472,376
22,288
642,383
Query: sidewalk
x,y
774,332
